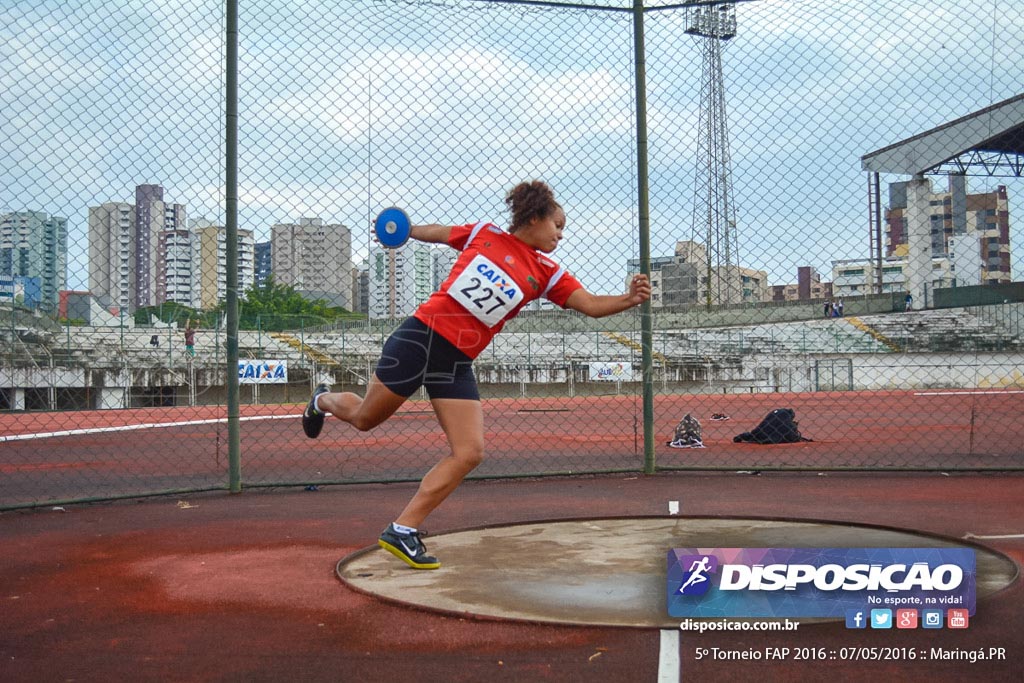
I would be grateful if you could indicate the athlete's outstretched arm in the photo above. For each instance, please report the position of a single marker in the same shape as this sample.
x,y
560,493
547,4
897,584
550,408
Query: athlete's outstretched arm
x,y
600,305
433,233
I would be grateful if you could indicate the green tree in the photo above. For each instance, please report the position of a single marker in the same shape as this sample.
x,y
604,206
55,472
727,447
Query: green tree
x,y
275,307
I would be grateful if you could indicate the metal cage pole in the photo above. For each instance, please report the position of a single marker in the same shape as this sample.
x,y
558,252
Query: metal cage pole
x,y
644,218
231,248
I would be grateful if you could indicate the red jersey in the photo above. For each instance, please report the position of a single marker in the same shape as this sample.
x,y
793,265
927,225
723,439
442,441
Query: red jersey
x,y
494,277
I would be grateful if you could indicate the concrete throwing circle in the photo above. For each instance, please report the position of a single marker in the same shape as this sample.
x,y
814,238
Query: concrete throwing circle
x,y
603,572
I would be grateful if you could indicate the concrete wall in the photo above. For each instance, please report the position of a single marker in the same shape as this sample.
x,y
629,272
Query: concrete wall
x,y
747,374
978,295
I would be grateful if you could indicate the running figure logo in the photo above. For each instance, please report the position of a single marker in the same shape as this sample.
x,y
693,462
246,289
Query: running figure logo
x,y
696,580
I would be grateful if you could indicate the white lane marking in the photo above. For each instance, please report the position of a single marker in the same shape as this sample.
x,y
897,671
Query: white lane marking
x,y
668,657
970,535
993,392
130,428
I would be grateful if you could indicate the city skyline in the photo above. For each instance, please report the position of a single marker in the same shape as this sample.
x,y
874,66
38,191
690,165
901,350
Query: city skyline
x,y
810,90
309,254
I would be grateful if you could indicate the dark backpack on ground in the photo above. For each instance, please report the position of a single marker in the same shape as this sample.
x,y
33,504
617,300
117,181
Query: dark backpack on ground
x,y
688,433
779,426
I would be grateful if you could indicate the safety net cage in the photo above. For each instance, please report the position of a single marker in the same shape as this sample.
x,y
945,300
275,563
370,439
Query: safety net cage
x,y
820,194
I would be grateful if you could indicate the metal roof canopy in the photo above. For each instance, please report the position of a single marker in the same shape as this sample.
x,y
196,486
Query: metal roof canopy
x,y
991,139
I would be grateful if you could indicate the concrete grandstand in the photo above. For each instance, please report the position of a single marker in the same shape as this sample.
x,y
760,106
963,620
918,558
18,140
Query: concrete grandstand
x,y
49,367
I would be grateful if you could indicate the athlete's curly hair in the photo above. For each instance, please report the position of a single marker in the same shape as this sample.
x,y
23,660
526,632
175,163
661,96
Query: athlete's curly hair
x,y
528,201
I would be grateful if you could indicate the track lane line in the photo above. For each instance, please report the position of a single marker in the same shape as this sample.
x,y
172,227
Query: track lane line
x,y
997,536
130,428
668,656
990,392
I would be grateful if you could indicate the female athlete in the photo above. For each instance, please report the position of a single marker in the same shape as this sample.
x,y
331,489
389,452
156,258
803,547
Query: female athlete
x,y
495,276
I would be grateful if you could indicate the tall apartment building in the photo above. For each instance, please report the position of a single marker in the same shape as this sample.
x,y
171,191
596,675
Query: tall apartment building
x,y
127,250
683,279
361,289
112,252
401,279
35,245
315,258
213,268
21,291
965,260
657,264
177,279
976,221
263,263
444,259
153,217
737,285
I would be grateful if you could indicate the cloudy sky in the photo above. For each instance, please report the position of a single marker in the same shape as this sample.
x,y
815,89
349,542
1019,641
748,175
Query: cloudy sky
x,y
353,105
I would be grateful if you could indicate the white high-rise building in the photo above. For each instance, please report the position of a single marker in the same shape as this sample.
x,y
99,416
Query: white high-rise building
x,y
444,259
401,279
178,276
965,260
857,277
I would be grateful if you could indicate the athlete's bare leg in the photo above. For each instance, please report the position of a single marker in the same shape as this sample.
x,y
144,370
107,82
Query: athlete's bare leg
x,y
362,412
463,423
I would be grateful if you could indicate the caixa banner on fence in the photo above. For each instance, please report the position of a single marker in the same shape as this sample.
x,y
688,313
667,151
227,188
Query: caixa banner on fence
x,y
262,371
817,582
611,372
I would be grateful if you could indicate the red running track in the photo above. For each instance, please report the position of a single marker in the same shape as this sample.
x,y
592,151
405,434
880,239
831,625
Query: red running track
x,y
70,455
215,587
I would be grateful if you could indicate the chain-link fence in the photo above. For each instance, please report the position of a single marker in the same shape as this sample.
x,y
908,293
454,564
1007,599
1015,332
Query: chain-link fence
x,y
822,193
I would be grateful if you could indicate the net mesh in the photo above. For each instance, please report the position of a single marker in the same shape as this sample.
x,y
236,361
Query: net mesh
x,y
783,244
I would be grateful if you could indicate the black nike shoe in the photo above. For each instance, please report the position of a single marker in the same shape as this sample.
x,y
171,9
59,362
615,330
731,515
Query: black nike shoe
x,y
313,419
408,548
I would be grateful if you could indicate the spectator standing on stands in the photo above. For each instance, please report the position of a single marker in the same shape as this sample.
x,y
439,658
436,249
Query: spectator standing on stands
x,y
190,338
908,302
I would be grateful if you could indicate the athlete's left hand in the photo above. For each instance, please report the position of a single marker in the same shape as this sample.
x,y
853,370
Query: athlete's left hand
x,y
639,289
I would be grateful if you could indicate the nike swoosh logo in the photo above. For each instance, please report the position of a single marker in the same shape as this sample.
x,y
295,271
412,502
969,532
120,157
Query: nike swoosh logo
x,y
411,551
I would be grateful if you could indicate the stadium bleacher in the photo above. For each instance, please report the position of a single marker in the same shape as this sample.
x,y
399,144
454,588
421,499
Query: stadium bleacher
x,y
710,354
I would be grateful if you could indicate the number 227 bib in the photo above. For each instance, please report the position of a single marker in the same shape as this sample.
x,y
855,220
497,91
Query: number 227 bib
x,y
486,291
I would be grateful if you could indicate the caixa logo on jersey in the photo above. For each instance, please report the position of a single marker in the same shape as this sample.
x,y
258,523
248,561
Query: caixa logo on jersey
x,y
816,582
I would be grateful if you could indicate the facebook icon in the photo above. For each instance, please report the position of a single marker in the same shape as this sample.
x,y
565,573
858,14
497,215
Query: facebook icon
x,y
855,618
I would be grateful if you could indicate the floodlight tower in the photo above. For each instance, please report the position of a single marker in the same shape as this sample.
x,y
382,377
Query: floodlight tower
x,y
714,216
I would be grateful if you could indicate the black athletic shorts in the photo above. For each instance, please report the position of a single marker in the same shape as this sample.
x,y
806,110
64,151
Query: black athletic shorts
x,y
416,356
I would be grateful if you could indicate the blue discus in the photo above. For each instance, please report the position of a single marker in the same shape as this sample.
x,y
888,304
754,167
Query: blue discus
x,y
392,227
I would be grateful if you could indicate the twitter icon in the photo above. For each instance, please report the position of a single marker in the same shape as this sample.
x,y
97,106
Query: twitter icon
x,y
881,618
